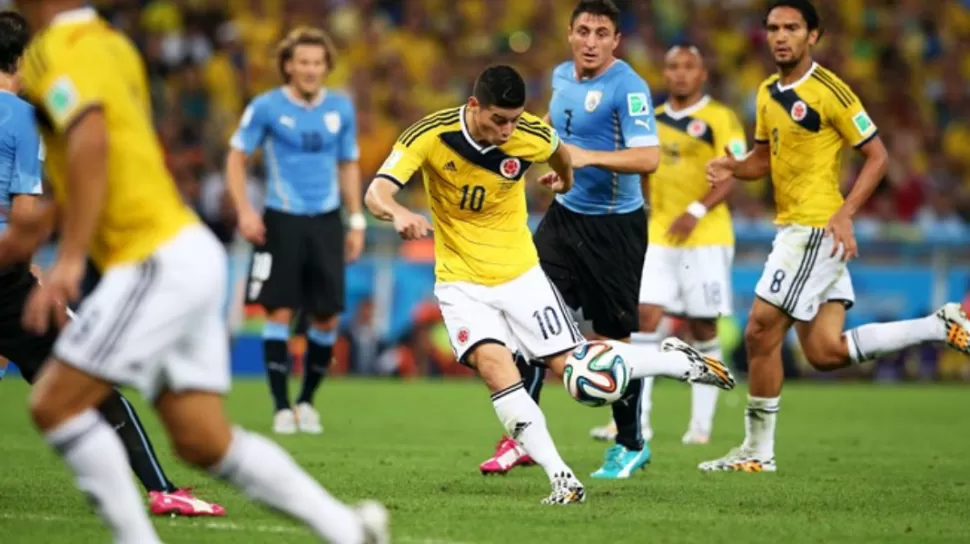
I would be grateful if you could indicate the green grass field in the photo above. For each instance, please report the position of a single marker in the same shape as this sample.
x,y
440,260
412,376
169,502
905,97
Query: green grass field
x,y
858,463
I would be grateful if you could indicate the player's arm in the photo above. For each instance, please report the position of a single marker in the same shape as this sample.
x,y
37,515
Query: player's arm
x,y
561,163
247,138
348,172
87,167
31,220
753,166
638,127
729,137
858,130
396,171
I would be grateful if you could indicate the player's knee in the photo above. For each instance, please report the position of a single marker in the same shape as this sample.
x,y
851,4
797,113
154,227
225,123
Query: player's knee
x,y
650,317
200,449
325,322
495,365
43,411
825,355
759,336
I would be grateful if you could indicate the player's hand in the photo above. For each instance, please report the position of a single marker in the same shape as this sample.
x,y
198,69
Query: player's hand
x,y
354,244
553,182
721,169
412,226
578,156
840,228
252,227
680,230
47,301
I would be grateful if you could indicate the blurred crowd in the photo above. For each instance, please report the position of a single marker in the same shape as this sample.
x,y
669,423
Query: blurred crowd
x,y
400,59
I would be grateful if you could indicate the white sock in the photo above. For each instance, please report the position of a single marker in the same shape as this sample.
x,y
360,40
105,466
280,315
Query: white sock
x,y
100,466
649,340
525,423
703,400
261,469
759,426
644,360
876,339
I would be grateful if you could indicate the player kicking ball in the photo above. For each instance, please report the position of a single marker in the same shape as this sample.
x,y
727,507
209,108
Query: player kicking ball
x,y
805,115
155,319
687,271
20,192
492,292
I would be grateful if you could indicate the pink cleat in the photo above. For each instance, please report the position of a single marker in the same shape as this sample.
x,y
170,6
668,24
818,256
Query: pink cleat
x,y
182,503
508,455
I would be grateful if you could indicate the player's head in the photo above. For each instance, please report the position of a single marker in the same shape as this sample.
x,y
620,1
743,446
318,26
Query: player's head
x,y
792,28
304,57
497,102
594,34
13,40
684,71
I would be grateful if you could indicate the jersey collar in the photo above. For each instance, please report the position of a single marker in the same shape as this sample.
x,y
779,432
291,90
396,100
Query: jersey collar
x,y
74,16
689,110
321,96
808,74
578,78
468,135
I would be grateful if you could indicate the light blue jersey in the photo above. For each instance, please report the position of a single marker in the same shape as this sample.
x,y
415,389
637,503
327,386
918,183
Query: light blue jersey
x,y
302,146
21,151
609,112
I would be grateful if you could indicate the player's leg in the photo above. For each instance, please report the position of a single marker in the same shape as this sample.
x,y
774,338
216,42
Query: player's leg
x,y
275,283
480,327
707,296
324,276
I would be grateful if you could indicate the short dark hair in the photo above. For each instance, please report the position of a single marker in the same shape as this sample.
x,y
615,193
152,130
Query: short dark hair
x,y
14,36
500,86
805,7
602,8
304,36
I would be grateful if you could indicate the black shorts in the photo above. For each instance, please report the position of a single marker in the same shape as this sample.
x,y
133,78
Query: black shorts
x,y
301,265
26,350
596,262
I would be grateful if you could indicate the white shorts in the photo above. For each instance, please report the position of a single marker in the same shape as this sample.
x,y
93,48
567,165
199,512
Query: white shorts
x,y
688,281
157,324
801,274
525,314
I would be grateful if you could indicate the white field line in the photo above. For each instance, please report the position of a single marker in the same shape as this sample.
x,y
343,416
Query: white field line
x,y
215,525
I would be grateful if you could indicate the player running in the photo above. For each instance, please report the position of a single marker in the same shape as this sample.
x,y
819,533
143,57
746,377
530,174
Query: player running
x,y
155,319
308,136
492,291
805,114
21,157
687,271
592,240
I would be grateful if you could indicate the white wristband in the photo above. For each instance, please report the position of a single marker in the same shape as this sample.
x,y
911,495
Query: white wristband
x,y
697,209
357,221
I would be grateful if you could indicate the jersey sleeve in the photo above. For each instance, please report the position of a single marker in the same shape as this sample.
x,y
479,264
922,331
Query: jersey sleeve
x,y
26,178
760,126
541,139
731,135
69,83
253,127
407,156
635,110
347,148
849,117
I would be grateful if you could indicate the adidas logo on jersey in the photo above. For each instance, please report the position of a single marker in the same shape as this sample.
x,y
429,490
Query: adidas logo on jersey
x,y
450,167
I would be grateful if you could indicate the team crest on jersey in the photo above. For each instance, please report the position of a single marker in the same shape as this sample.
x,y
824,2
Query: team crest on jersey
x,y
463,335
332,121
510,167
593,99
799,110
696,128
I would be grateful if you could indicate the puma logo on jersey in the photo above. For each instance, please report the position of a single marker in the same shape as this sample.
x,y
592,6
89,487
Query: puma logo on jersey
x,y
450,167
643,123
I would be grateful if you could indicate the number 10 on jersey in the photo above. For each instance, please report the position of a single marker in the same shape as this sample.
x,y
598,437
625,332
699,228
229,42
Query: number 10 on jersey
x,y
472,198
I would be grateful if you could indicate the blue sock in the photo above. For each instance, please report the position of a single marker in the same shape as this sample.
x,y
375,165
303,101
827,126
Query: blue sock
x,y
276,355
318,356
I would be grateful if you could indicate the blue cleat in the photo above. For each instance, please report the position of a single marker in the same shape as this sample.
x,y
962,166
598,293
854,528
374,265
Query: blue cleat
x,y
619,462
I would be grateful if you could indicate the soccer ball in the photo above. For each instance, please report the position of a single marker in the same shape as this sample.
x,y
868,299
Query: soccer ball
x,y
595,374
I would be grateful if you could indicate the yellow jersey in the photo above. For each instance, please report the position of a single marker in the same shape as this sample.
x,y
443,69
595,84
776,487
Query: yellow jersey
x,y
689,139
79,63
477,194
806,125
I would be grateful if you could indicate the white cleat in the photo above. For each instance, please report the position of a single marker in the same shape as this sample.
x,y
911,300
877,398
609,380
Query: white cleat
x,y
376,522
284,422
308,419
740,460
957,326
566,489
693,437
606,433
706,370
